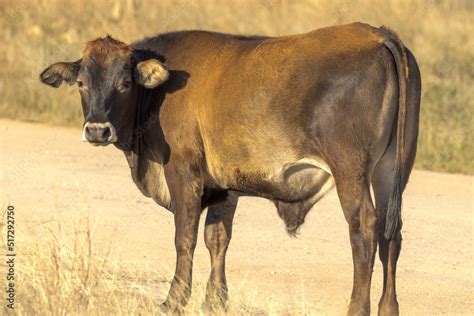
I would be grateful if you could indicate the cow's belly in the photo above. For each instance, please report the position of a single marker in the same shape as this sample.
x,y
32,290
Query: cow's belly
x,y
292,182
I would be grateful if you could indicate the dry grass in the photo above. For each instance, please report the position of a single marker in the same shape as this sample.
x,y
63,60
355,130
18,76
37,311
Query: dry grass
x,y
59,274
437,31
58,271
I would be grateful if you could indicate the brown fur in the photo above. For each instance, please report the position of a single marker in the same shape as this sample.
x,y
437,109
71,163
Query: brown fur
x,y
101,48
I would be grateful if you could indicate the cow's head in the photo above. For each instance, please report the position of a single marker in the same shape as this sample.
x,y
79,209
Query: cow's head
x,y
107,75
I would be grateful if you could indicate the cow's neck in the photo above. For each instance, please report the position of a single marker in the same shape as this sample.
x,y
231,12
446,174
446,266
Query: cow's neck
x,y
146,151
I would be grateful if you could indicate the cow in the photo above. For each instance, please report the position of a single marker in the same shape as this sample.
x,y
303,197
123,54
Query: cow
x,y
204,118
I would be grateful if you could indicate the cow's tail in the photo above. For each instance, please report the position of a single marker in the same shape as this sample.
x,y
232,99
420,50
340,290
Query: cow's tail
x,y
397,49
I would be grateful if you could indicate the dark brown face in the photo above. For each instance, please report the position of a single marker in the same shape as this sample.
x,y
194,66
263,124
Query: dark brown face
x,y
107,77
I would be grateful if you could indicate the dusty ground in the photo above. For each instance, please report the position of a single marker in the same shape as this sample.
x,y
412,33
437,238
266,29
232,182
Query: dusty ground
x,y
48,173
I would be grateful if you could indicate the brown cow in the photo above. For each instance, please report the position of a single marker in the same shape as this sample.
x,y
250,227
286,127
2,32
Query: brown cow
x,y
205,117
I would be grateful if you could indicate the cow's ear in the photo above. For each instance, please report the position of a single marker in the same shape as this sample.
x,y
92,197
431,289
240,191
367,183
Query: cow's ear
x,y
55,74
151,73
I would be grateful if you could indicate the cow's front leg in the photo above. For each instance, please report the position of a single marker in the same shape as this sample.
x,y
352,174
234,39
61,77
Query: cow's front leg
x,y
187,209
217,235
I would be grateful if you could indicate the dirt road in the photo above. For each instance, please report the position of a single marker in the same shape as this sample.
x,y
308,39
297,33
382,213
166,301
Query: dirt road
x,y
46,171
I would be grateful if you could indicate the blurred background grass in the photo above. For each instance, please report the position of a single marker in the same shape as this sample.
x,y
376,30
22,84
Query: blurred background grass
x,y
439,32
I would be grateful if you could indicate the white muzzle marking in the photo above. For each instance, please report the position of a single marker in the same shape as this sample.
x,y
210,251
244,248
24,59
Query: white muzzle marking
x,y
113,134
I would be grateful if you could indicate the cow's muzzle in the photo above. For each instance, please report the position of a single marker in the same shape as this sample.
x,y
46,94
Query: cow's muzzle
x,y
99,133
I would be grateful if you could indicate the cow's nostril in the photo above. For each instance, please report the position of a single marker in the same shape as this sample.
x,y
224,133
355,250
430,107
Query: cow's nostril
x,y
88,130
106,133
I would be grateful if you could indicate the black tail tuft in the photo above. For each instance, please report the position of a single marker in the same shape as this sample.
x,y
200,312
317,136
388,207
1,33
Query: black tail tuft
x,y
394,218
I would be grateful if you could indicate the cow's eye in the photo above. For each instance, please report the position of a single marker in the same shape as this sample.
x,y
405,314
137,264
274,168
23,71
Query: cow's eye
x,y
80,84
126,85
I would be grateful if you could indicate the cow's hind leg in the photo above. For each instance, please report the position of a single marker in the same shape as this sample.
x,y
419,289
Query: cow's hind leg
x,y
382,182
217,235
389,250
354,195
